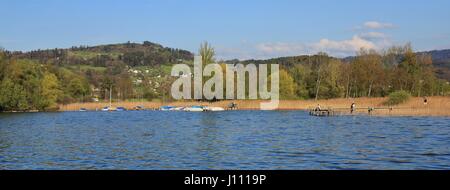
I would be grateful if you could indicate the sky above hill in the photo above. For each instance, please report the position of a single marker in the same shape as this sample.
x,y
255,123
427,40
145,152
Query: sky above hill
x,y
237,29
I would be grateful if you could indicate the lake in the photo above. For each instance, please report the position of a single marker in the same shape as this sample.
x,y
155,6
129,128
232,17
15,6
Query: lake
x,y
221,140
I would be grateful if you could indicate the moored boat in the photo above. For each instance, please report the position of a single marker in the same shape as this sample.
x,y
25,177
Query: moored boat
x,y
177,109
194,109
166,108
139,108
121,109
214,109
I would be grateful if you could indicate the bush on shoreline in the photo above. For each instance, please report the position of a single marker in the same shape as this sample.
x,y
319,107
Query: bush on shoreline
x,y
397,97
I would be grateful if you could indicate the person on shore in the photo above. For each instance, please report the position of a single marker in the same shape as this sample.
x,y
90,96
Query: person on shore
x,y
318,108
352,108
371,109
425,100
232,106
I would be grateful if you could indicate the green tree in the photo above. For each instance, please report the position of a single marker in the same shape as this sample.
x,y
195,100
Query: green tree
x,y
287,86
78,88
49,92
74,88
301,74
12,96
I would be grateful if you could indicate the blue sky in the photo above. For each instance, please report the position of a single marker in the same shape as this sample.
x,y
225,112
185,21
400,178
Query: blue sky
x,y
237,28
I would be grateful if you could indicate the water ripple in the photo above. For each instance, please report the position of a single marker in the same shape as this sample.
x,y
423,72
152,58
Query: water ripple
x,y
228,140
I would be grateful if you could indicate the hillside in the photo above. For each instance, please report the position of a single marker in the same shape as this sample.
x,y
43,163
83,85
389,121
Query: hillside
x,y
80,74
131,54
441,61
150,54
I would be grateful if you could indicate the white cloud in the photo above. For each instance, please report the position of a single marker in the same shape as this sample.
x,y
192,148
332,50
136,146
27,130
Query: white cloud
x,y
280,48
339,48
344,46
377,25
333,47
373,35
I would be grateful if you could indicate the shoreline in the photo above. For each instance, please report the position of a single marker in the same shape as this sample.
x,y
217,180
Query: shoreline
x,y
437,106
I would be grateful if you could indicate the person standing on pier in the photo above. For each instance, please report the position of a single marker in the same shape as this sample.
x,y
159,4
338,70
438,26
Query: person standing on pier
x,y
352,107
318,108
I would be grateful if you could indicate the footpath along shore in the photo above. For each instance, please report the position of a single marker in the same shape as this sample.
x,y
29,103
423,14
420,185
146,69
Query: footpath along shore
x,y
436,106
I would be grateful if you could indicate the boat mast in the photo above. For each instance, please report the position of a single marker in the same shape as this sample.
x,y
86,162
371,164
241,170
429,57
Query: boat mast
x,y
110,95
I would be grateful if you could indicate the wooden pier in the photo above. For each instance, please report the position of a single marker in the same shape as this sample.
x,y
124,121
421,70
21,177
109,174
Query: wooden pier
x,y
347,111
321,112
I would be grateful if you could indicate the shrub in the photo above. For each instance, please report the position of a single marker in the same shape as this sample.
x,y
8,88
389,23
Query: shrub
x,y
398,97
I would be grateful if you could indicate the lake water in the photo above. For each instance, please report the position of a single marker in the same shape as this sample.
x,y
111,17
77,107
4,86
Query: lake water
x,y
225,140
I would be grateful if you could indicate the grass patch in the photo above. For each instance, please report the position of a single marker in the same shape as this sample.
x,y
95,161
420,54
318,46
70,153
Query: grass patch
x,y
397,98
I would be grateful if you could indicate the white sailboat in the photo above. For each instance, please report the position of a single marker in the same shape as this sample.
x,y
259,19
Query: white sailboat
x,y
109,108
214,109
194,109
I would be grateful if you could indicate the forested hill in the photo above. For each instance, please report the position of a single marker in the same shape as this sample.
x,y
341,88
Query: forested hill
x,y
441,61
43,79
440,58
152,54
131,54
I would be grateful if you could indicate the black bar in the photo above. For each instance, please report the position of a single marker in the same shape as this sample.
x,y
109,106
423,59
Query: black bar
x,y
258,179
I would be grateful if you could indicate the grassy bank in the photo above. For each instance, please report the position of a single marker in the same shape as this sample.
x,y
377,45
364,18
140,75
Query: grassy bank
x,y
437,106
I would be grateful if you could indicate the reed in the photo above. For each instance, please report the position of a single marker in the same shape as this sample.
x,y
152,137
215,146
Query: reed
x,y
437,106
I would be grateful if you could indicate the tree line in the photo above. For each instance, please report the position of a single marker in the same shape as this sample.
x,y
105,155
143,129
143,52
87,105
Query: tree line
x,y
368,74
28,83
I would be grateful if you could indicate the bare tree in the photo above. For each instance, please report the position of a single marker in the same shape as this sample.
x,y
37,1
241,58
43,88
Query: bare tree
x,y
207,52
320,64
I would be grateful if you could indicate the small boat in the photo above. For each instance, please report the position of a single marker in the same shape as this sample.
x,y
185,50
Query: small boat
x,y
214,109
121,109
195,109
139,108
105,109
166,108
177,109
83,109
